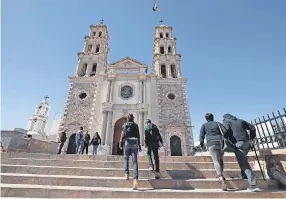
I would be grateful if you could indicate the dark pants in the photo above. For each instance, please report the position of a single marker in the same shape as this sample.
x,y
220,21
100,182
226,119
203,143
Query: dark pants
x,y
243,162
131,149
60,147
85,146
153,147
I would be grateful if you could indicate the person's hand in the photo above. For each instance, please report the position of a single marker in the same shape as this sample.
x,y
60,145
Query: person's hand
x,y
120,147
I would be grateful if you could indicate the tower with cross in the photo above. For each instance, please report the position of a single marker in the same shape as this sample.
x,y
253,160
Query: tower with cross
x,y
37,124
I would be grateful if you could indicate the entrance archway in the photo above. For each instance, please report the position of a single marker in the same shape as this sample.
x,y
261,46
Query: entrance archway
x,y
72,145
175,145
116,137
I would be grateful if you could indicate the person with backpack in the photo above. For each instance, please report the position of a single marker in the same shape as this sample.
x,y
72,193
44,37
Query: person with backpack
x,y
95,142
79,140
211,131
62,140
130,142
238,135
86,142
153,139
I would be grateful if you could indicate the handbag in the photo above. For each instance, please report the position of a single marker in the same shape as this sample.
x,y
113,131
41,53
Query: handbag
x,y
226,144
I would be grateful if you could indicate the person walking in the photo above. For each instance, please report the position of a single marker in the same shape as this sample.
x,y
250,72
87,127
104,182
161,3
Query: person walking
x,y
211,132
95,142
238,135
86,142
79,140
153,139
130,141
62,140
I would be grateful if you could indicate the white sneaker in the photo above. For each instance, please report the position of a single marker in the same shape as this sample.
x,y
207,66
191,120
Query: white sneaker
x,y
254,189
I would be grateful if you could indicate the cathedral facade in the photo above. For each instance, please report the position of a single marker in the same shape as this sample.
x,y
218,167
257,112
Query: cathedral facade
x,y
101,94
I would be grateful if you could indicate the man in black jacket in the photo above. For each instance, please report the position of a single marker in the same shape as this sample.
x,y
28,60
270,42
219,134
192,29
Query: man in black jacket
x,y
130,140
62,140
211,131
152,139
86,142
237,132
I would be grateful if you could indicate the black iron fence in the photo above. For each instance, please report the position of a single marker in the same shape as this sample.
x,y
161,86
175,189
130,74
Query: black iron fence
x,y
270,132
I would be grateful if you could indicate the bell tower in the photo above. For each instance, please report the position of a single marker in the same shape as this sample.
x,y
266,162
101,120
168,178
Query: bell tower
x,y
166,60
93,59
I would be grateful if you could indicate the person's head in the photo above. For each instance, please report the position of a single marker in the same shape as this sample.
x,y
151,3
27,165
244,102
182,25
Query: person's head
x,y
81,128
96,134
86,132
209,117
148,121
130,117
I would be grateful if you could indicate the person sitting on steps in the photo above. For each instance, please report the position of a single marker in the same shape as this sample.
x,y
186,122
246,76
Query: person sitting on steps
x,y
130,141
153,140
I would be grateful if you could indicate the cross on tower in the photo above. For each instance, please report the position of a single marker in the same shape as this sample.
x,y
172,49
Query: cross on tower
x,y
46,97
161,22
101,21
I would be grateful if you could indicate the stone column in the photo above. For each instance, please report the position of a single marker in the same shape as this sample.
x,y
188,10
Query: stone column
x,y
144,92
108,129
103,128
108,91
168,68
178,70
140,92
111,92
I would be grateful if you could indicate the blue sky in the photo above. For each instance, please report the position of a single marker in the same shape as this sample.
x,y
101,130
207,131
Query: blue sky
x,y
233,51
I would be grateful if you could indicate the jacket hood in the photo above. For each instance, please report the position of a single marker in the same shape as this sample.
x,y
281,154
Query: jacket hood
x,y
229,116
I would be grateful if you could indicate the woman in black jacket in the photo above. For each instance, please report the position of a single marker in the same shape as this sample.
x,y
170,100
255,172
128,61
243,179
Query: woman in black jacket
x,y
96,141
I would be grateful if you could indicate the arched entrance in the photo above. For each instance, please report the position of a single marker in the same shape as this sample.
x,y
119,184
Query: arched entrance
x,y
72,145
175,145
116,137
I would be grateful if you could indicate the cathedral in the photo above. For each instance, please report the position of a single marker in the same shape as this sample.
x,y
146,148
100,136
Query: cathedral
x,y
100,94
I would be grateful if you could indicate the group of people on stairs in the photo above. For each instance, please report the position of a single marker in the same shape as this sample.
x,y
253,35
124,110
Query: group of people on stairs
x,y
233,130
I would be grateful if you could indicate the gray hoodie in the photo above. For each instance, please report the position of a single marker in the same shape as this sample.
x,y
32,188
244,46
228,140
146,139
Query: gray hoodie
x,y
237,128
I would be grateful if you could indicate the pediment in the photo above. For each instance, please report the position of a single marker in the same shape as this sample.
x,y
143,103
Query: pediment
x,y
128,62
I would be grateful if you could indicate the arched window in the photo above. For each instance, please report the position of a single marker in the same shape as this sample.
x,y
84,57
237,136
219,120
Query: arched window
x,y
93,71
161,35
100,33
89,48
163,71
162,50
82,72
97,49
94,33
173,71
167,35
170,49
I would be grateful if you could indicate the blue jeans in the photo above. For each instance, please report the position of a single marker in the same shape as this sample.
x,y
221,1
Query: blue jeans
x,y
243,148
94,152
131,149
79,146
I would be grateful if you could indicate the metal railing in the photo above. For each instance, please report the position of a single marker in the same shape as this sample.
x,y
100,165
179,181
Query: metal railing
x,y
270,132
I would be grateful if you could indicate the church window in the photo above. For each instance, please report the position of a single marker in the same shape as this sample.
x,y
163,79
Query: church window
x,y
94,33
82,72
167,35
171,96
161,35
93,71
163,71
35,119
126,92
100,33
97,49
89,48
40,107
162,50
83,95
173,71
169,49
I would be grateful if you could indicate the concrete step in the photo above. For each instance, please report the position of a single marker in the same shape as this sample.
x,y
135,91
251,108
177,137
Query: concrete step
x,y
120,182
48,191
114,157
119,172
113,164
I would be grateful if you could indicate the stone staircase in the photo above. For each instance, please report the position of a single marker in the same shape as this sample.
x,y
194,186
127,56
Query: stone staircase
x,y
82,176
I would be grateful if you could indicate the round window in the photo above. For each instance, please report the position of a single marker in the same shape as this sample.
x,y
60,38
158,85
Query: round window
x,y
171,96
126,92
82,95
